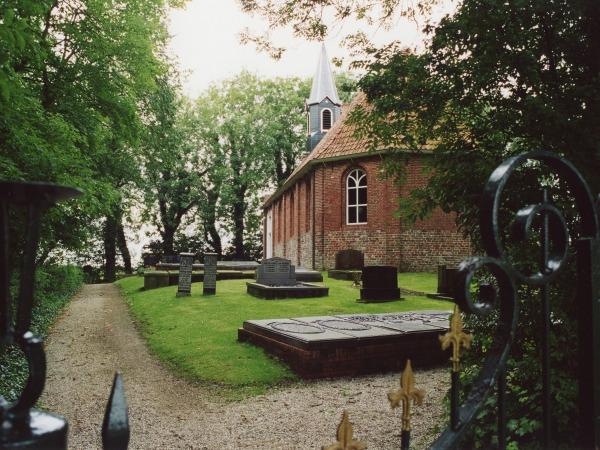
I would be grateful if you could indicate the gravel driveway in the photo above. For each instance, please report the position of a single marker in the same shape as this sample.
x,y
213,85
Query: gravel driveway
x,y
95,336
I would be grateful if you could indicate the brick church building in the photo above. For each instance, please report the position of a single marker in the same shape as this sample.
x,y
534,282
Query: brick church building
x,y
336,199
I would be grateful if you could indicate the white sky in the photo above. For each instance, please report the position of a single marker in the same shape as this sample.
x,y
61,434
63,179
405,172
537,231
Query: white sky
x,y
205,42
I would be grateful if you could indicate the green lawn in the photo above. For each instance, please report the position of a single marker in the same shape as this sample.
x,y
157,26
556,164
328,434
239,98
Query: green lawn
x,y
197,336
418,281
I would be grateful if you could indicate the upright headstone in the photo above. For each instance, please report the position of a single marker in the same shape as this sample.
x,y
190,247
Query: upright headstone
x,y
379,283
276,272
349,260
210,274
185,274
446,281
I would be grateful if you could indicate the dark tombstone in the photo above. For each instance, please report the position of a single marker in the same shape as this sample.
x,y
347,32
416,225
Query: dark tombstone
x,y
446,281
150,260
170,259
349,260
209,287
185,274
379,284
276,272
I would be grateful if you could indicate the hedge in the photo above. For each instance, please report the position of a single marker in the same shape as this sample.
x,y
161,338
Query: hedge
x,y
55,285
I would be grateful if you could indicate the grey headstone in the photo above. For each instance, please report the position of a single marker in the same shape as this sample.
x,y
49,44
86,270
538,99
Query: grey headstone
x,y
210,274
185,274
276,272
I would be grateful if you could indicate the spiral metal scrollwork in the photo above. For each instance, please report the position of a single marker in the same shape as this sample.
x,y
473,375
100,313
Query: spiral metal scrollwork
x,y
508,277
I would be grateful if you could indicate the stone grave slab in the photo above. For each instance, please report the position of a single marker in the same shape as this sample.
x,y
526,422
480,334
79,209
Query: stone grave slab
x,y
184,288
209,285
302,334
379,284
276,272
345,325
276,279
347,264
353,344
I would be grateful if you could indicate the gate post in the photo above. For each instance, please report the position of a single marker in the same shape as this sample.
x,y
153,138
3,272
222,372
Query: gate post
x,y
588,301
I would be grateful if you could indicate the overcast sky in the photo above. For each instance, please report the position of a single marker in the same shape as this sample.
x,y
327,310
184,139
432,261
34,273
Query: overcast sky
x,y
205,42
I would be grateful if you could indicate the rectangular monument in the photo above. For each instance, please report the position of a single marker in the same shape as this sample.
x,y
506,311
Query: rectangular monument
x,y
209,286
379,284
276,272
185,274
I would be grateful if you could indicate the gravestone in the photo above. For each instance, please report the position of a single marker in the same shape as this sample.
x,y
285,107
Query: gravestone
x,y
185,274
276,272
209,286
379,284
349,260
170,259
276,278
446,281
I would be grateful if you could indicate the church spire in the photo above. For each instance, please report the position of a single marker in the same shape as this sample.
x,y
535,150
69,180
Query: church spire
x,y
323,84
323,106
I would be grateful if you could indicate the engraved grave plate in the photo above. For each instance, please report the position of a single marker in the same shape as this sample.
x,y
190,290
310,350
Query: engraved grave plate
x,y
209,286
185,274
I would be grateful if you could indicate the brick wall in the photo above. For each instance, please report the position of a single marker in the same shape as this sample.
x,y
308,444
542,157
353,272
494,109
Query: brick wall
x,y
309,221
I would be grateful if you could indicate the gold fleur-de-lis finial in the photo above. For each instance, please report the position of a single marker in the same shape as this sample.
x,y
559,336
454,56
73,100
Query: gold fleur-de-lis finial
x,y
345,437
405,394
457,338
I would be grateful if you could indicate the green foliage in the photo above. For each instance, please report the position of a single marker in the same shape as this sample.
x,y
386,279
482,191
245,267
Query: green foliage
x,y
71,83
499,78
55,285
198,337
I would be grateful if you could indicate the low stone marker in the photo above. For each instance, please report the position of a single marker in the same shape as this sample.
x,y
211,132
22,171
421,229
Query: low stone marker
x,y
379,284
185,274
348,263
349,260
209,286
276,272
446,281
276,278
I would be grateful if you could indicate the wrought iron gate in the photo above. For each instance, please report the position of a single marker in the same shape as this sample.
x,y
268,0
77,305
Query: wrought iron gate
x,y
24,428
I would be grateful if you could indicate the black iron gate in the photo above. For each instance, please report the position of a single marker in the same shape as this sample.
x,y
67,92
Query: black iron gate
x,y
555,243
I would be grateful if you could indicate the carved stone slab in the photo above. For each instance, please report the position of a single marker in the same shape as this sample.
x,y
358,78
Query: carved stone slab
x,y
349,345
209,286
276,272
185,274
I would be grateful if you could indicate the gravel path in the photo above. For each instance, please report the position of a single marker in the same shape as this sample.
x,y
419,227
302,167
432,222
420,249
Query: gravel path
x,y
95,336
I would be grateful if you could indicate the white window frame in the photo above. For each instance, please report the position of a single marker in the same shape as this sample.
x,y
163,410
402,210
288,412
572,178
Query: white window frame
x,y
357,175
331,121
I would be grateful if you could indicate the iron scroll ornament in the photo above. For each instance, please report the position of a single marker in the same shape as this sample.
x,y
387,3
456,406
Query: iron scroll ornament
x,y
21,426
508,277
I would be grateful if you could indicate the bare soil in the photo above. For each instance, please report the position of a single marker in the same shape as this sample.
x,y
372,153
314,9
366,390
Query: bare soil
x,y
96,336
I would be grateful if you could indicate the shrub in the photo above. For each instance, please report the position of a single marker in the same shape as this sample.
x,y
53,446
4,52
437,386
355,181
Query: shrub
x,y
55,285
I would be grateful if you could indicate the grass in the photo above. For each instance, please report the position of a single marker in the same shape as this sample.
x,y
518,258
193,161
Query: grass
x,y
418,281
197,336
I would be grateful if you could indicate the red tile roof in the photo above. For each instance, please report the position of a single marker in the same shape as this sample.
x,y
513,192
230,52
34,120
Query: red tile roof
x,y
340,141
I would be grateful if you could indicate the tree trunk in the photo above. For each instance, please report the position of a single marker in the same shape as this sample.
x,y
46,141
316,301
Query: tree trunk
x,y
209,220
168,235
110,249
122,243
239,210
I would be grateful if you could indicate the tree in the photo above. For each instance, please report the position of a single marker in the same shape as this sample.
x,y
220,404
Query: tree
x,y
172,166
251,132
497,79
71,79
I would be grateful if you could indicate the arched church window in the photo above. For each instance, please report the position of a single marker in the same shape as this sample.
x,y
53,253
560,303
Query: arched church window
x,y
356,197
326,119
